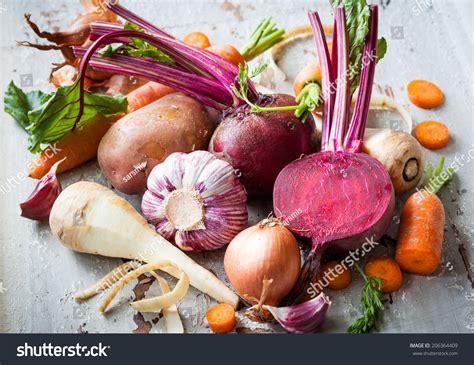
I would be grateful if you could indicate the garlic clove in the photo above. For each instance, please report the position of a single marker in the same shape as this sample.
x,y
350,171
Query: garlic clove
x,y
306,317
39,203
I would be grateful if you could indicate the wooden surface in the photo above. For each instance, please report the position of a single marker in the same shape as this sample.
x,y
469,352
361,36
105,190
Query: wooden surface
x,y
434,43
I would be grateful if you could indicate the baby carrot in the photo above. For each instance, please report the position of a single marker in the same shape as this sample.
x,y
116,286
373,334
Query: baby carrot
x,y
386,269
227,52
197,39
432,135
421,230
77,147
337,276
425,94
221,318
310,73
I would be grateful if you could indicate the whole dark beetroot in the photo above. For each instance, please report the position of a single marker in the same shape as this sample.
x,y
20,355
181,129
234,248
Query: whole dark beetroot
x,y
260,145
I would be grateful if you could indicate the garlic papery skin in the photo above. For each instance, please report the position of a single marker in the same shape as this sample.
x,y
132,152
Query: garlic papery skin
x,y
195,200
40,202
306,317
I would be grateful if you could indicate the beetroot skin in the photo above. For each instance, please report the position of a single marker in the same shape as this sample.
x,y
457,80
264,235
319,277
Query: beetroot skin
x,y
342,199
260,145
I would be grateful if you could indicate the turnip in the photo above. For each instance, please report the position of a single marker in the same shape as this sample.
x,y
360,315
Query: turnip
x,y
88,217
258,134
342,196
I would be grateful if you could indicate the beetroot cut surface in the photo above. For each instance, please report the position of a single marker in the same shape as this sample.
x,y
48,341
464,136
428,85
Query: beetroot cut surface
x,y
332,196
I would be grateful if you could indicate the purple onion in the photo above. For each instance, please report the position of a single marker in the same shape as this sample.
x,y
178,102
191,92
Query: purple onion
x,y
195,201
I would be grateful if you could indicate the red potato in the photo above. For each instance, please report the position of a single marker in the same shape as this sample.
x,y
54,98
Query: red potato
x,y
144,138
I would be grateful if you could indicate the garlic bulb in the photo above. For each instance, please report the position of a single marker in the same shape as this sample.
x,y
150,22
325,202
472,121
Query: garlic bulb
x,y
195,200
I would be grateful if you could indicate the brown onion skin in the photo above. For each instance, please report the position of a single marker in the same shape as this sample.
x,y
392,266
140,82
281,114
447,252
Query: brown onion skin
x,y
265,250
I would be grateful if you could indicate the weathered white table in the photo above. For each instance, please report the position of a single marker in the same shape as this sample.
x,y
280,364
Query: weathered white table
x,y
430,39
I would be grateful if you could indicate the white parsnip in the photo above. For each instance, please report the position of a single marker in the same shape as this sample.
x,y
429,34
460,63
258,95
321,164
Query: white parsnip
x,y
90,218
400,153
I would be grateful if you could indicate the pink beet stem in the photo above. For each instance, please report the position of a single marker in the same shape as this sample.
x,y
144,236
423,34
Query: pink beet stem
x,y
327,78
341,107
355,135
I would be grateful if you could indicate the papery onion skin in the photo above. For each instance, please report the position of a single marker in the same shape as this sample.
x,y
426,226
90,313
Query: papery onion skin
x,y
267,250
306,317
217,198
40,202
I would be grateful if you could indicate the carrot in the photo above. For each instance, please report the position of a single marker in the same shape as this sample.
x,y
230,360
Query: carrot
x,y
221,318
77,147
425,94
420,236
432,135
421,230
338,279
227,52
147,94
197,39
386,269
310,73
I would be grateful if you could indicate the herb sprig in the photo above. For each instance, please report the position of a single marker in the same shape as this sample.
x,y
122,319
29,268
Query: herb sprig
x,y
371,302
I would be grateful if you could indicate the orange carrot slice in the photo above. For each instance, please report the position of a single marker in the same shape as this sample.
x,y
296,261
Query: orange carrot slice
x,y
387,269
425,94
432,135
221,318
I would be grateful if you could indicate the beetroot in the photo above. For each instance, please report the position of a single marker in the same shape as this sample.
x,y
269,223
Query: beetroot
x,y
344,197
260,145
339,197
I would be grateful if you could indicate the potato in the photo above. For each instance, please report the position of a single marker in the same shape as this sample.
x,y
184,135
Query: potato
x,y
142,139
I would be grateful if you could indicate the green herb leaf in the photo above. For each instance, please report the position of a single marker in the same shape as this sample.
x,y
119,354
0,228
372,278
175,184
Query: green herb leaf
x,y
264,37
136,48
371,302
110,49
357,23
381,48
48,117
258,70
18,103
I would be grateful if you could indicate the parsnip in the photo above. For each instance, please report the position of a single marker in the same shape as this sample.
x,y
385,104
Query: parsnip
x,y
90,218
400,153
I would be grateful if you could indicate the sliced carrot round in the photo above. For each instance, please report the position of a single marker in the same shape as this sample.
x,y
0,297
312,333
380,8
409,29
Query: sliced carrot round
x,y
432,135
386,269
197,39
221,318
338,276
425,94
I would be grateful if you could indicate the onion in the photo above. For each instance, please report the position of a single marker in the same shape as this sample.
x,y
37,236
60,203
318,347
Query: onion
x,y
265,251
